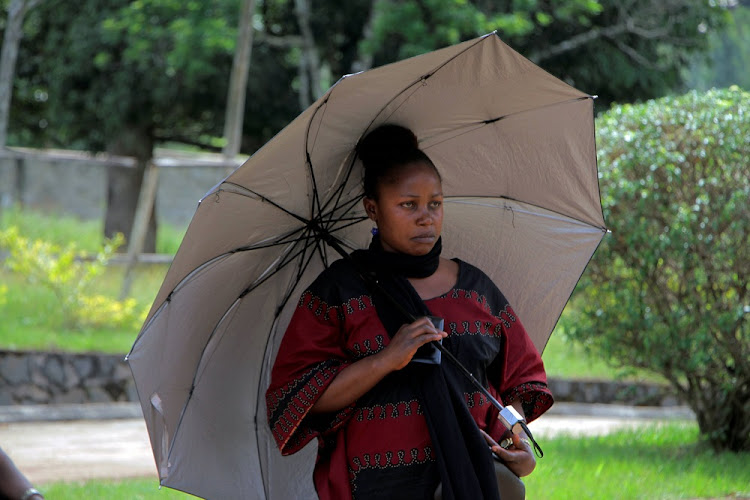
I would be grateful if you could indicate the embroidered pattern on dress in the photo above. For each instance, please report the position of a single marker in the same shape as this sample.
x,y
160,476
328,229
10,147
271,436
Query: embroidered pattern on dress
x,y
506,316
321,309
475,399
535,398
366,461
287,405
366,349
388,410
479,328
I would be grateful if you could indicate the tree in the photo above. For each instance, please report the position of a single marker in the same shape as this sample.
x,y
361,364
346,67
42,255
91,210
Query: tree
x,y
621,50
235,110
668,290
17,10
122,76
727,60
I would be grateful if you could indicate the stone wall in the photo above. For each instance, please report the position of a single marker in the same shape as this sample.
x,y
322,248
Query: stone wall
x,y
598,391
58,378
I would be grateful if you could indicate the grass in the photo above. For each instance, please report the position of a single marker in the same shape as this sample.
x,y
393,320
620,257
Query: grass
x,y
564,358
31,314
87,234
659,461
31,319
131,489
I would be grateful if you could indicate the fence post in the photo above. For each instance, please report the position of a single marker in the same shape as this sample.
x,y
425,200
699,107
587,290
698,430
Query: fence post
x,y
146,200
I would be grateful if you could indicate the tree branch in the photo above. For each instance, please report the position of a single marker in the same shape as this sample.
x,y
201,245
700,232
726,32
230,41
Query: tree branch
x,y
283,42
645,27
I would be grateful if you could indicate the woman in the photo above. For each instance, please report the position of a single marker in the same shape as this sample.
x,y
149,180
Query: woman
x,y
387,425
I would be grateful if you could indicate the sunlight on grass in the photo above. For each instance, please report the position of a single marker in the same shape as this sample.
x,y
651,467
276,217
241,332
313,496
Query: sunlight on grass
x,y
658,461
131,489
88,235
32,319
564,358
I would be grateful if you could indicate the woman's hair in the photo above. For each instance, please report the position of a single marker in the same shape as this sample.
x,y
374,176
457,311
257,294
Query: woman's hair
x,y
384,151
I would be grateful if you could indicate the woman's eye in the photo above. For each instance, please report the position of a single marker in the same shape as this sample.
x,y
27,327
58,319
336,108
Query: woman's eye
x,y
408,204
436,204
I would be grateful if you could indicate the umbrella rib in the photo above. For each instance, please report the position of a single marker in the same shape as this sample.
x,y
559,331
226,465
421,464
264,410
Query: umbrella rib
x,y
423,78
226,314
192,274
346,206
352,222
269,339
455,198
308,160
285,261
471,127
263,199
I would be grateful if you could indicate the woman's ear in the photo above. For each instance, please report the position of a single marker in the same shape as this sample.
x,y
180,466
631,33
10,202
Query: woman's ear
x,y
370,208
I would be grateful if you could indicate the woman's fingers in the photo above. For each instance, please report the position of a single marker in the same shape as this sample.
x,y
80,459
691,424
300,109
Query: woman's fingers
x,y
422,331
519,457
494,446
411,337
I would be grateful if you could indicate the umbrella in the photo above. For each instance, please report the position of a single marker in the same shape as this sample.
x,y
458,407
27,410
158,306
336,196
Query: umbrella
x,y
515,147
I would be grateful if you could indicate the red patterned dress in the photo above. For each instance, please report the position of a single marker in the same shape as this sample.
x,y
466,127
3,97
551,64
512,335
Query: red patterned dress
x,y
380,447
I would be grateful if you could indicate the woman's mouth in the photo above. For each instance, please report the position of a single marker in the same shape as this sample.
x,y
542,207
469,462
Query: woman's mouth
x,y
424,238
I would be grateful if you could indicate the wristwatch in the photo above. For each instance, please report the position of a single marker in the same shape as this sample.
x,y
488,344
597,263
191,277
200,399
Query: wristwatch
x,y
30,493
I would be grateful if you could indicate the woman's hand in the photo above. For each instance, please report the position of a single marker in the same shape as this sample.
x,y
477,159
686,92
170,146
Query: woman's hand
x,y
407,340
519,457
364,374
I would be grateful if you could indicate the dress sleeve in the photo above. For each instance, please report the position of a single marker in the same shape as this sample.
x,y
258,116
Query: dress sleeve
x,y
311,354
520,374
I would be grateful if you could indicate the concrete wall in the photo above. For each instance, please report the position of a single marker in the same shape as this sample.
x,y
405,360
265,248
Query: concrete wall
x,y
75,183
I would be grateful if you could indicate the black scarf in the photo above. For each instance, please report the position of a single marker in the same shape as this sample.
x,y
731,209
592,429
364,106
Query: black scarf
x,y
463,457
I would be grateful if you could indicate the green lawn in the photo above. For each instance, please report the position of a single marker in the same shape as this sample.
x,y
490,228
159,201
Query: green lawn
x,y
658,462
655,462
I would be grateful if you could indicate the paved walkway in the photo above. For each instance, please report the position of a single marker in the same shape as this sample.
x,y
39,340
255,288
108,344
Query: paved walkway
x,y
78,442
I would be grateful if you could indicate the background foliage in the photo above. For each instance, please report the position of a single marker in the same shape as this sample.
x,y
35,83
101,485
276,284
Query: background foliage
x,y
162,66
668,290
69,273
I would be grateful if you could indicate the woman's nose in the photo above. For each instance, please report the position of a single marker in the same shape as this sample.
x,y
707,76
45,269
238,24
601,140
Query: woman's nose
x,y
424,218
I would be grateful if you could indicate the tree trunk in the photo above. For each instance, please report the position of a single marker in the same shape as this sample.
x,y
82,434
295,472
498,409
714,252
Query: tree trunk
x,y
235,110
309,69
11,40
724,416
364,60
124,185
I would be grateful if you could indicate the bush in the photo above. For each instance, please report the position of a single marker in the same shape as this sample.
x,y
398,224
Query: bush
x,y
667,291
69,273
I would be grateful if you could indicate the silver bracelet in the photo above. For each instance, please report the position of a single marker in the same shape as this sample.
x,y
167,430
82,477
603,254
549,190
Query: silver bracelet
x,y
30,493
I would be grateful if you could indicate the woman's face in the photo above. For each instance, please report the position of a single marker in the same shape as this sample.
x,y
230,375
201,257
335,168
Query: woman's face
x,y
408,210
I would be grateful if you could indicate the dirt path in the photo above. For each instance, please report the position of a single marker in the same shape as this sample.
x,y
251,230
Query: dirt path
x,y
88,449
79,450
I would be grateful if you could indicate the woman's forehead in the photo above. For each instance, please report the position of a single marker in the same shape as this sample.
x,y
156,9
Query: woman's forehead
x,y
412,175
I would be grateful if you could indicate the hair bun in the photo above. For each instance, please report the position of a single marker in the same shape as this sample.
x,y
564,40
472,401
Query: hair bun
x,y
386,144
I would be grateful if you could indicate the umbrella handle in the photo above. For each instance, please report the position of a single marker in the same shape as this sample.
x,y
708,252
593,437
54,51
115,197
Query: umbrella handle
x,y
508,415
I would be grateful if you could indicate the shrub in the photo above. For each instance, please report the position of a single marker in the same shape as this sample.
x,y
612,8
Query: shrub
x,y
69,273
667,291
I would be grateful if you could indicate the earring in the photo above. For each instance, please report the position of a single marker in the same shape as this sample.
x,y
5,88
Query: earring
x,y
374,231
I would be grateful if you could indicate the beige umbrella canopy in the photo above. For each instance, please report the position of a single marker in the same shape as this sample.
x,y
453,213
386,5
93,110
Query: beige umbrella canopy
x,y
515,147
